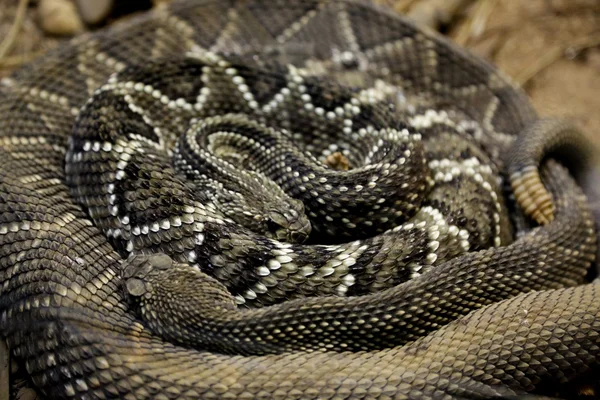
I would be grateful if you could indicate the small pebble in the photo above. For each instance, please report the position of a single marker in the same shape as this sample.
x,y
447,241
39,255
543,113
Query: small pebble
x,y
59,17
94,11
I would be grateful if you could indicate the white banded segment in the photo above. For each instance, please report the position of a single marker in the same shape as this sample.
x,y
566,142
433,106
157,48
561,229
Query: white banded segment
x,y
233,188
233,153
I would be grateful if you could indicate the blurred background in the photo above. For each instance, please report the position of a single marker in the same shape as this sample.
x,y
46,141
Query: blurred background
x,y
550,47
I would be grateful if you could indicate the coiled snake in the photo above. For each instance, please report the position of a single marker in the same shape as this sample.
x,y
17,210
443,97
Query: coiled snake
x,y
287,199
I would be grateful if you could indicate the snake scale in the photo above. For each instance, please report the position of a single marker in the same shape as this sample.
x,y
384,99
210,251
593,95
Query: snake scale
x,y
288,199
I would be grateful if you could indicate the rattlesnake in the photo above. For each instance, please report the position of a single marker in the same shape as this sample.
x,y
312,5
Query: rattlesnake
x,y
128,271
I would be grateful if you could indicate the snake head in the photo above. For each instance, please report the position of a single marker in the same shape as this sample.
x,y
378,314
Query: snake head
x,y
288,222
137,270
174,300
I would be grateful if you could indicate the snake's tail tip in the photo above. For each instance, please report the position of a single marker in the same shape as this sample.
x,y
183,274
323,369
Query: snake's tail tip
x,y
532,196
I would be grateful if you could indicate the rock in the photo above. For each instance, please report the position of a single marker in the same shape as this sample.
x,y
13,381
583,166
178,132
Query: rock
x,y
98,12
59,17
94,12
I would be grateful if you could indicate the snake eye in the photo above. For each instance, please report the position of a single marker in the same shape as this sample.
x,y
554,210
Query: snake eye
x,y
277,220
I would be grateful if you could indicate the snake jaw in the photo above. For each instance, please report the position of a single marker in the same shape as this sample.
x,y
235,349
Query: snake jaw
x,y
289,225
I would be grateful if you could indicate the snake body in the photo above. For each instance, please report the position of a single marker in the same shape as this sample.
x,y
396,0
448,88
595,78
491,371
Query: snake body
x,y
305,199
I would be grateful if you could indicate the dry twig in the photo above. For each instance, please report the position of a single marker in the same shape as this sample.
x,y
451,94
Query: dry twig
x,y
402,6
477,22
433,13
554,55
19,59
9,40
